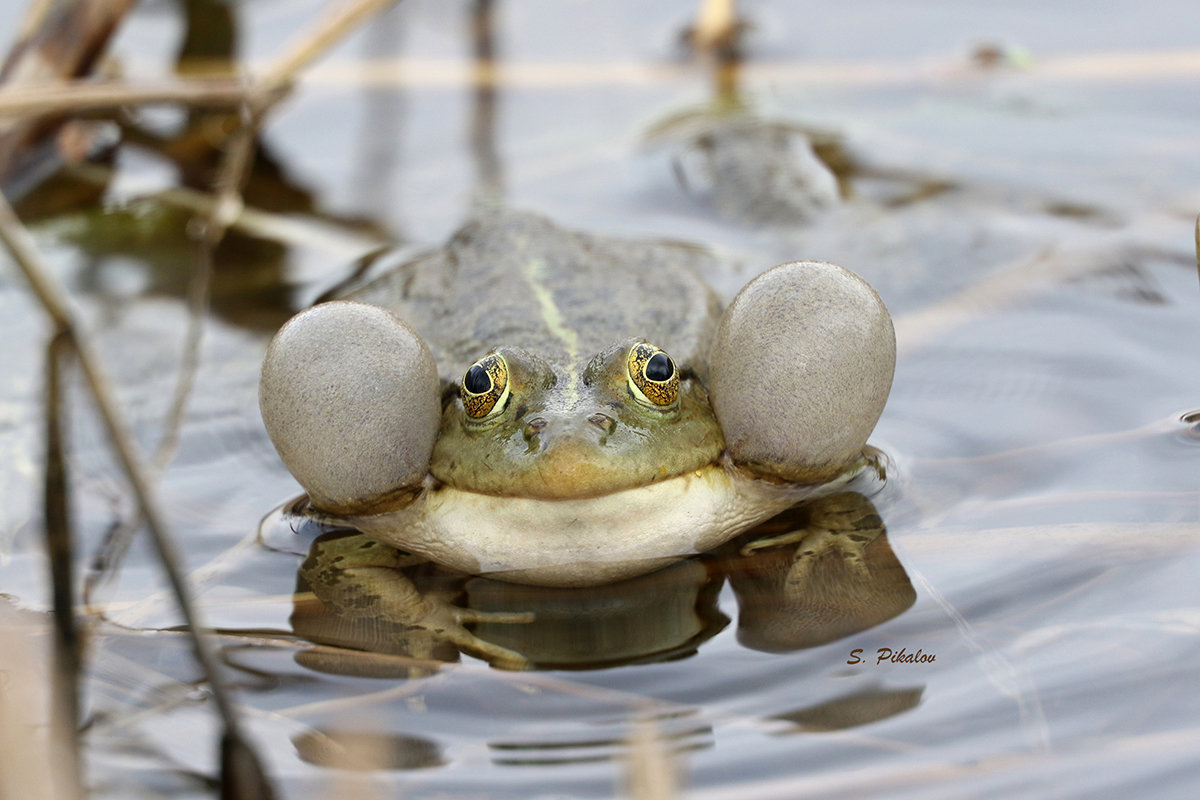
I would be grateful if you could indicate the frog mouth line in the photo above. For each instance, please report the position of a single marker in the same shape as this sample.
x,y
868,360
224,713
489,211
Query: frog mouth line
x,y
554,487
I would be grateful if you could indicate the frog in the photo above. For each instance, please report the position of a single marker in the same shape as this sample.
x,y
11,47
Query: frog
x,y
554,407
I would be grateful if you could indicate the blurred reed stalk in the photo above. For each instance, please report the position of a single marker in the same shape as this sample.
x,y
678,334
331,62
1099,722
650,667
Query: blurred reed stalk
x,y
24,253
106,95
35,736
68,644
717,25
60,41
651,771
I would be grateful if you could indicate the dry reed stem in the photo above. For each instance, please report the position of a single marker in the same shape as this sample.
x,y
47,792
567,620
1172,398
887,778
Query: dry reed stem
x,y
223,211
336,24
231,176
1099,67
33,735
233,171
315,234
716,23
652,772
239,762
60,547
226,207
27,258
35,16
262,94
74,96
77,96
1165,426
66,43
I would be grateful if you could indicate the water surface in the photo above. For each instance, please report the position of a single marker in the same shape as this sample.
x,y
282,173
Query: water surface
x,y
1029,224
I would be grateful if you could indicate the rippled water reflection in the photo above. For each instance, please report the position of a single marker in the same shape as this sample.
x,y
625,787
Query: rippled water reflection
x,y
1029,225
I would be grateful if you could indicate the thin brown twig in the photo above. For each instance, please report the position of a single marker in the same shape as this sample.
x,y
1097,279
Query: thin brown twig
x,y
231,175
337,23
228,206
224,92
237,759
218,212
76,96
238,158
233,171
226,209
263,93
24,252
314,233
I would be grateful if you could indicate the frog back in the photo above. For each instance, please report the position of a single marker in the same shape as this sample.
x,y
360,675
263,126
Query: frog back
x,y
514,278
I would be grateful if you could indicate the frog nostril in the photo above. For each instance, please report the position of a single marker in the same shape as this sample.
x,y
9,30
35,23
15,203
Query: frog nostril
x,y
532,432
602,421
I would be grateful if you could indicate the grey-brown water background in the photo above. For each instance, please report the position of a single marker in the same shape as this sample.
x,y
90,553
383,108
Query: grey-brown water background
x,y
1030,226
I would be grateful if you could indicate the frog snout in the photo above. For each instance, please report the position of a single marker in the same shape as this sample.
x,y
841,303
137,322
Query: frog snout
x,y
569,432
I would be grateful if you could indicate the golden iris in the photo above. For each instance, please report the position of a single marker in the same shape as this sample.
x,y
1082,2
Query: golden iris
x,y
653,376
484,387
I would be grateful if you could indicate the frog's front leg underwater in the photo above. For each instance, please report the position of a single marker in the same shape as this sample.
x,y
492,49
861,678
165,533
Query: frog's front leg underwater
x,y
362,579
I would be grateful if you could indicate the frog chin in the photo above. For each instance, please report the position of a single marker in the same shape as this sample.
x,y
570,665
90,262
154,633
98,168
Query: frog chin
x,y
584,541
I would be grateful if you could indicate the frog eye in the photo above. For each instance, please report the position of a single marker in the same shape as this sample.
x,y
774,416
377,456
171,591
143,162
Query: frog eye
x,y
484,389
653,378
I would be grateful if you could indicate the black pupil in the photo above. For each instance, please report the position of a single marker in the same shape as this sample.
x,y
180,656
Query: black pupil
x,y
659,368
477,380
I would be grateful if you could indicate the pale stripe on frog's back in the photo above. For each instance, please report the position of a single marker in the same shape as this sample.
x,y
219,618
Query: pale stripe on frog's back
x,y
537,277
516,279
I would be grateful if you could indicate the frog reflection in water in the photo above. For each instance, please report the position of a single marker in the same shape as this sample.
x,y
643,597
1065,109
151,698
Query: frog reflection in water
x,y
549,407
818,572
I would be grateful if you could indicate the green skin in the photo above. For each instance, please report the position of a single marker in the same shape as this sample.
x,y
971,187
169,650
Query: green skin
x,y
564,333
599,439
574,445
